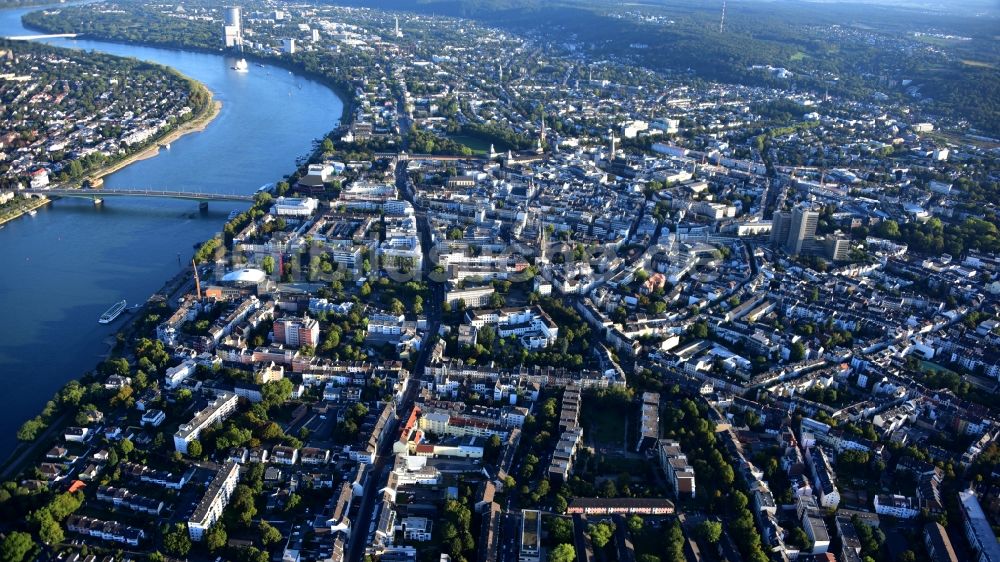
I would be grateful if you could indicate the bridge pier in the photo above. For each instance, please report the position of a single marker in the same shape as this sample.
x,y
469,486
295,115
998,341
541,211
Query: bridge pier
x,y
203,206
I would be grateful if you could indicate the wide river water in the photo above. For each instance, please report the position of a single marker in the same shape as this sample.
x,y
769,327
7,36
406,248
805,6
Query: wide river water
x,y
60,269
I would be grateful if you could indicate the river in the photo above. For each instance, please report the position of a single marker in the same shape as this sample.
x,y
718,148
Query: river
x,y
63,267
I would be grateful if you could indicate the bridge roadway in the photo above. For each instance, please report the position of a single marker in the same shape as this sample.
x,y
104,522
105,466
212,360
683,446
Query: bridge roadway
x,y
49,36
125,192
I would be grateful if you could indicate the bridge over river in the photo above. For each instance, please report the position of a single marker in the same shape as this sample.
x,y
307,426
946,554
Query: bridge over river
x,y
98,195
37,37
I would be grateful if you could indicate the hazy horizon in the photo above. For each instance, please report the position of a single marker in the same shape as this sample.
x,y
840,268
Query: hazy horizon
x,y
961,5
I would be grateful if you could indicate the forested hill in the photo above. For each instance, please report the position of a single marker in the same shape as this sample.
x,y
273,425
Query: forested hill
x,y
844,49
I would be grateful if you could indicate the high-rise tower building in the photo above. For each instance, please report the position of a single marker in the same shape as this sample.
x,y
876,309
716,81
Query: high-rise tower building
x,y
802,229
780,224
232,27
794,230
837,248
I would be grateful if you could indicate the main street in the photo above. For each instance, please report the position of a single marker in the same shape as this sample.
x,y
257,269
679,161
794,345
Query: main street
x,y
378,471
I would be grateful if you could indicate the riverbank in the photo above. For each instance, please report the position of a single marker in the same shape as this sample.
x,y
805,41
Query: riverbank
x,y
343,90
26,452
26,206
195,125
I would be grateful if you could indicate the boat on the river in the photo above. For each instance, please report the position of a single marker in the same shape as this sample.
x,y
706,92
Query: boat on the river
x,y
113,312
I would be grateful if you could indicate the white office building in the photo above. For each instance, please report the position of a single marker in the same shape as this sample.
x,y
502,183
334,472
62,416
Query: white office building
x,y
232,27
294,207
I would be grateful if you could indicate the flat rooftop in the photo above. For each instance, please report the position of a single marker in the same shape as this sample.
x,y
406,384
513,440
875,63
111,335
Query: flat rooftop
x,y
530,524
201,511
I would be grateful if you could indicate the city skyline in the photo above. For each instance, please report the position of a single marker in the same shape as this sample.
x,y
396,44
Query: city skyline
x,y
586,282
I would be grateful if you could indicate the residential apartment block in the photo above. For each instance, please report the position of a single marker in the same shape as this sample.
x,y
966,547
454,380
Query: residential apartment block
x,y
296,332
216,497
218,409
675,466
